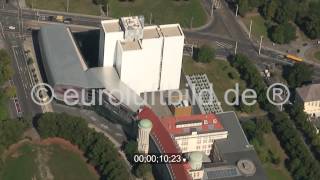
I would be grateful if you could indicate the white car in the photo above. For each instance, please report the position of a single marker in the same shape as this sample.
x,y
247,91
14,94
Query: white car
x,y
12,27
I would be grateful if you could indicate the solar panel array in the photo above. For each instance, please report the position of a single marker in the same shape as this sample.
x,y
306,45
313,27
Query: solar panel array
x,y
204,94
225,172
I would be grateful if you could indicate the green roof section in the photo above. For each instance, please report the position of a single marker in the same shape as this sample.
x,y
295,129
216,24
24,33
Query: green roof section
x,y
145,123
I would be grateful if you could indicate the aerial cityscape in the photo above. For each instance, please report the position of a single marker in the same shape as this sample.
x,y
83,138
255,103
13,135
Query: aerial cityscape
x,y
159,89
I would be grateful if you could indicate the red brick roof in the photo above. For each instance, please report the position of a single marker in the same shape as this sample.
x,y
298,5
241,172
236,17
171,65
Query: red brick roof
x,y
165,142
207,123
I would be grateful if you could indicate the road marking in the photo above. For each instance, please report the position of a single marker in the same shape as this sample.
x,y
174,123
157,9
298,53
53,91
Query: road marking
x,y
224,45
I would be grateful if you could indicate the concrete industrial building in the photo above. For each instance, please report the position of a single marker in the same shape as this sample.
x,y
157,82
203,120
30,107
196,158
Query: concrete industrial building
x,y
145,58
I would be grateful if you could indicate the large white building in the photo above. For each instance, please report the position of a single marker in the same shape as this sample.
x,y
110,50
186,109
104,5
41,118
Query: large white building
x,y
145,58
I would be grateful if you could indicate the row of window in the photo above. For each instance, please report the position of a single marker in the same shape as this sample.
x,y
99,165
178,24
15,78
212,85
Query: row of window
x,y
314,103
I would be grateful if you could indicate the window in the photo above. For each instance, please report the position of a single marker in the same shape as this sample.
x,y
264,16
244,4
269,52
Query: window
x,y
198,141
205,140
198,147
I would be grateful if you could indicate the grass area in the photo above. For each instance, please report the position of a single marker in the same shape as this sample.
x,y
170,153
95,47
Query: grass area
x,y
3,108
29,161
275,172
259,27
184,12
76,6
163,11
317,55
218,72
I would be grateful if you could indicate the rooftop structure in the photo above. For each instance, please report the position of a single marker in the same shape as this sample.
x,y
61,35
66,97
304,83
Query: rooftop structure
x,y
309,96
239,159
309,93
202,91
130,45
132,27
183,125
111,26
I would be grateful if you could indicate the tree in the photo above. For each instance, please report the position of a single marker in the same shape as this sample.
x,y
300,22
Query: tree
x,y
244,7
205,54
269,9
299,74
264,125
6,71
30,61
283,33
142,170
130,148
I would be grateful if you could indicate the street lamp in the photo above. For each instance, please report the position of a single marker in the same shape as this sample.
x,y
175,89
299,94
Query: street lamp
x,y
261,37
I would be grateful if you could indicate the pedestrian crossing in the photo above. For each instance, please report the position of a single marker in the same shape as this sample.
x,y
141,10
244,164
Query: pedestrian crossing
x,y
224,45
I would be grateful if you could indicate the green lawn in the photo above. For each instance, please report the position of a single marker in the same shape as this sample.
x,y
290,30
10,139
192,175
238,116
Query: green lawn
x,y
218,74
317,55
30,160
163,11
76,6
258,26
184,12
276,172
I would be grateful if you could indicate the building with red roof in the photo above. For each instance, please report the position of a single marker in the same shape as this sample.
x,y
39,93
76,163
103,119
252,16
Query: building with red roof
x,y
195,132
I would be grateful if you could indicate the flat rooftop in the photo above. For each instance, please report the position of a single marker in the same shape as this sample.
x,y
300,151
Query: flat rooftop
x,y
111,26
168,31
130,45
150,33
184,125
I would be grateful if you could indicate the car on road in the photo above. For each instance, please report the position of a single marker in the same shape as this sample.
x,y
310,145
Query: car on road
x,y
17,106
12,27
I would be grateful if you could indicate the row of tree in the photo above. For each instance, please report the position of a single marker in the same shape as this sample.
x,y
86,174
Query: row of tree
x,y
305,14
301,162
255,130
251,75
297,75
6,72
140,170
98,149
300,118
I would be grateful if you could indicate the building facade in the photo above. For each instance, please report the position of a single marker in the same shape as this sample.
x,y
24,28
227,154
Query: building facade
x,y
146,58
195,132
309,96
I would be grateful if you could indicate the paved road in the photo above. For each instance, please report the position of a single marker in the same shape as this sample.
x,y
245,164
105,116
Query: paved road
x,y
22,78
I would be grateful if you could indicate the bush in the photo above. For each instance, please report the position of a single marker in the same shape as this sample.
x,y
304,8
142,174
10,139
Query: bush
x,y
205,54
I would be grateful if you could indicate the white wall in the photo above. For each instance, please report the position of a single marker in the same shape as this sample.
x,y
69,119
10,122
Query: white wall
x,y
110,42
131,73
151,52
172,62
